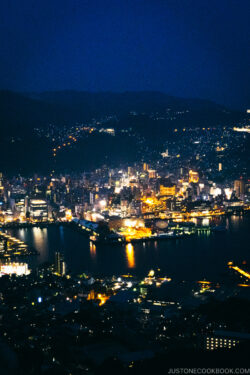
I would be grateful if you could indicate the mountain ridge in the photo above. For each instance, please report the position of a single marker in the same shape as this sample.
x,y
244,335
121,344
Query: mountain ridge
x,y
20,112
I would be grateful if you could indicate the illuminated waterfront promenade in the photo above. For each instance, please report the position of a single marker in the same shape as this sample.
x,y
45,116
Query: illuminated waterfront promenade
x,y
12,247
239,270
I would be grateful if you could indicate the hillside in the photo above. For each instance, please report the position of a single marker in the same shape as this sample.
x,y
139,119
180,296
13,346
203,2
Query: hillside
x,y
19,112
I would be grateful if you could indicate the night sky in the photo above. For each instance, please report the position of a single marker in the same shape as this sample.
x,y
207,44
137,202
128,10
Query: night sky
x,y
189,48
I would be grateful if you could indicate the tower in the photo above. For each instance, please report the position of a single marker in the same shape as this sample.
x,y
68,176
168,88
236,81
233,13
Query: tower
x,y
60,265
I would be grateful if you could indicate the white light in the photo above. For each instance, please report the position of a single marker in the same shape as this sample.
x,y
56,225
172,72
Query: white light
x,y
103,203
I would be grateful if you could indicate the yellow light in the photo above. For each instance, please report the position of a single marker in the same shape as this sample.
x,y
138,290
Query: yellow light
x,y
242,272
68,215
244,285
92,249
130,255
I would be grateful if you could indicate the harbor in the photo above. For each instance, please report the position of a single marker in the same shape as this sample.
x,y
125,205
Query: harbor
x,y
12,247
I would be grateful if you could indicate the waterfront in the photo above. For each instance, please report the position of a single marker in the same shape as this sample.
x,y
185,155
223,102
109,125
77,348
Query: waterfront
x,y
202,255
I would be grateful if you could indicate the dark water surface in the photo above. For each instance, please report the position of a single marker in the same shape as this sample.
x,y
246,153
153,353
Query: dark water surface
x,y
193,258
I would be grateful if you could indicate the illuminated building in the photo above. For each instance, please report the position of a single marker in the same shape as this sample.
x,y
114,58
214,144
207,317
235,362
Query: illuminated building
x,y
220,149
109,131
167,190
174,204
152,204
220,167
60,265
228,192
245,129
165,154
239,188
133,183
145,167
68,215
18,269
135,233
102,297
193,177
151,173
91,198
18,204
225,339
38,210
215,191
130,171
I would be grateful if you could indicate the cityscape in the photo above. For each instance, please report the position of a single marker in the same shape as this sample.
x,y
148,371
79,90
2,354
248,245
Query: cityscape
x,y
124,211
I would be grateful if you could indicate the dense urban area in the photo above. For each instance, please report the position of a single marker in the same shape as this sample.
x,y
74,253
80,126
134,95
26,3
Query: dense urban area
x,y
54,321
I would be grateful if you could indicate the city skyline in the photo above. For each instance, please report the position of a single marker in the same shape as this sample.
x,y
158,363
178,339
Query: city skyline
x,y
124,187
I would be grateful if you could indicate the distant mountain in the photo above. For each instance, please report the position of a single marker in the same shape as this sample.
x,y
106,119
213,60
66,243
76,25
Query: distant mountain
x,y
142,101
149,114
20,112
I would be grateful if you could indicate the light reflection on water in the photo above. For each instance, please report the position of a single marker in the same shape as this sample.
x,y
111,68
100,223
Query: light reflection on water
x,y
205,222
203,255
40,238
92,248
130,255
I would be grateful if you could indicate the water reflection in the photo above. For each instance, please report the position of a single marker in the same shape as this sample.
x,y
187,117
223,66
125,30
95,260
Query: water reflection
x,y
205,222
92,248
61,234
40,242
130,255
189,258
22,234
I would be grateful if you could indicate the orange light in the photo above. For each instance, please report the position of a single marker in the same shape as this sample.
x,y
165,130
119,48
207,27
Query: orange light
x,y
130,255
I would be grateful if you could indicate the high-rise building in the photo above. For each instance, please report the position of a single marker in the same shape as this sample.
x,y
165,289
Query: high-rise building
x,y
167,189
220,167
130,171
38,209
91,197
151,173
239,188
145,167
60,265
193,177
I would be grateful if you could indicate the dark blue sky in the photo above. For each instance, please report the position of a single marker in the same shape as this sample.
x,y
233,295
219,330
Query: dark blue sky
x,y
190,48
